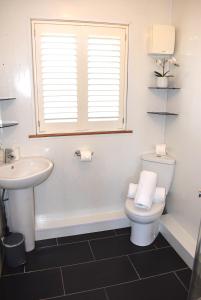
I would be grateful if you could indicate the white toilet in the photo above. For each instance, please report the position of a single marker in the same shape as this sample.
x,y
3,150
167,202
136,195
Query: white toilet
x,y
145,223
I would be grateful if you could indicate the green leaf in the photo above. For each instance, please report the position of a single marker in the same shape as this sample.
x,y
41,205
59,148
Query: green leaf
x,y
166,73
157,74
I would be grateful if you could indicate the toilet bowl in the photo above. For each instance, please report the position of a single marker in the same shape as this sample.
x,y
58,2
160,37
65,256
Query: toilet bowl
x,y
145,223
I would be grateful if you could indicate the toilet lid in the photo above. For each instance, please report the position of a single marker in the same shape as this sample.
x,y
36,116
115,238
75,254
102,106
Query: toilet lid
x,y
155,209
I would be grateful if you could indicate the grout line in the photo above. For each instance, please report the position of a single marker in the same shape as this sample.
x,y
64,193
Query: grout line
x,y
76,293
57,244
95,289
95,238
181,282
107,237
148,250
165,273
118,284
56,297
163,247
103,287
106,294
134,268
92,253
44,247
62,280
81,263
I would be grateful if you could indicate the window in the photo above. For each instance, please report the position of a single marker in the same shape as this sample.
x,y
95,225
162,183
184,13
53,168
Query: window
x,y
80,76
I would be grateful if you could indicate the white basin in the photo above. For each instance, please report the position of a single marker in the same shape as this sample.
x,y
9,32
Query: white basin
x,y
25,173
20,178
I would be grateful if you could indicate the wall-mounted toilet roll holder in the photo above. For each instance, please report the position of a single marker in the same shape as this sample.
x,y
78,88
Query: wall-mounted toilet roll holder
x,y
78,153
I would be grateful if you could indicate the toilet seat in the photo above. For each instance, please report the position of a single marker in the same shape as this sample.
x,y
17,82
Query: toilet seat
x,y
141,215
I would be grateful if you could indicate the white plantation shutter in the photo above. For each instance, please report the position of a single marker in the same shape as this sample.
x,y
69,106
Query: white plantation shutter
x,y
80,76
103,78
59,78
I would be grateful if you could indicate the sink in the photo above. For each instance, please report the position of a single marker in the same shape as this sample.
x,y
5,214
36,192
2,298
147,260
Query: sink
x,y
20,178
24,173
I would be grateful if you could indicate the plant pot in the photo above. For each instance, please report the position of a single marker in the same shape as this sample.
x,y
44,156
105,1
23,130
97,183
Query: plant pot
x,y
162,82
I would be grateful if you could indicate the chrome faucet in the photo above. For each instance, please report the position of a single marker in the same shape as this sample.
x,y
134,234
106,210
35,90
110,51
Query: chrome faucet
x,y
9,156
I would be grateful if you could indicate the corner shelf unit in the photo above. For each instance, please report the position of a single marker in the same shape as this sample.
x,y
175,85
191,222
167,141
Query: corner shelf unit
x,y
4,124
164,88
7,124
6,98
163,113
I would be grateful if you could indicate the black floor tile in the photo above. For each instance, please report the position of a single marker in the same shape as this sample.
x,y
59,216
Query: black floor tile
x,y
185,277
56,256
157,262
126,230
92,295
115,246
97,274
46,243
8,270
160,241
84,237
31,286
165,287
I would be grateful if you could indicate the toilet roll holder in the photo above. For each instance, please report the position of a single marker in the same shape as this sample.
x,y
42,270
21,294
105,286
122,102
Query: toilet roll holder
x,y
78,153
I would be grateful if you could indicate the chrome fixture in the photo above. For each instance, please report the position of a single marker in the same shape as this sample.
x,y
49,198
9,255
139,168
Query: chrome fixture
x,y
9,156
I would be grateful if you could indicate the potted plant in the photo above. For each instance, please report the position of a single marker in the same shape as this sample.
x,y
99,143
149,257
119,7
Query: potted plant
x,y
164,64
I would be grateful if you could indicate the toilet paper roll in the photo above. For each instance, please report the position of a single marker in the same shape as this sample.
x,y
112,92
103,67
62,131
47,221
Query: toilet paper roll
x,y
85,155
161,149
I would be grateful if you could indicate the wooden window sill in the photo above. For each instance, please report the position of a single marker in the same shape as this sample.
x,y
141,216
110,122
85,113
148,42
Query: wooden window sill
x,y
44,135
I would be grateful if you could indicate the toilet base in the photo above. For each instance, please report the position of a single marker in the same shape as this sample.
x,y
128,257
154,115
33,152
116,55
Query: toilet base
x,y
144,234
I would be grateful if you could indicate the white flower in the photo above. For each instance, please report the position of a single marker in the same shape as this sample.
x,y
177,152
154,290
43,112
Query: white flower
x,y
159,62
172,60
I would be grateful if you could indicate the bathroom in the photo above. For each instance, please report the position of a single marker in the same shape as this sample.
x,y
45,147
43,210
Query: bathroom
x,y
85,197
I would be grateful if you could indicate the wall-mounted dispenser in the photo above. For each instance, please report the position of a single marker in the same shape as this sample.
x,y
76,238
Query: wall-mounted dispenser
x,y
84,155
161,39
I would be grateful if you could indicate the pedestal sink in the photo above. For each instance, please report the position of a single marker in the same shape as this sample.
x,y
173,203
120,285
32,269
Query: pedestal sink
x,y
19,178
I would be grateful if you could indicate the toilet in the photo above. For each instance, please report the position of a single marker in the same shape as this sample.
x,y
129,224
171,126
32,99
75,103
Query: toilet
x,y
145,223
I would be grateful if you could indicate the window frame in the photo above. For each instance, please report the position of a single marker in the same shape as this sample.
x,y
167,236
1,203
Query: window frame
x,y
79,127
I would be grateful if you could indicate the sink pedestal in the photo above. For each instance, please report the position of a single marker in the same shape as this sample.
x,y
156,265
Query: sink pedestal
x,y
21,215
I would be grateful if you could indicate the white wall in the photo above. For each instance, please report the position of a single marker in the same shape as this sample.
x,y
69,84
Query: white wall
x,y
77,188
183,133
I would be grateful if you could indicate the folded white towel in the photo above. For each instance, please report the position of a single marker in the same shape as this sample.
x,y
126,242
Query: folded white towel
x,y
132,189
159,195
146,189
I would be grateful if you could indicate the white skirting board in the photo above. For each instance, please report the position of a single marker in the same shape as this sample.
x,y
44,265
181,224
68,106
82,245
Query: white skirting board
x,y
179,238
61,225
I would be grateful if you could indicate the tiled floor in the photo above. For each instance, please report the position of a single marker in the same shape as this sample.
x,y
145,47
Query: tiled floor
x,y
98,266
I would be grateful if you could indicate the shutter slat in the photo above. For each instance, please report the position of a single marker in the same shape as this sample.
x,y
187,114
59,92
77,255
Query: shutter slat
x,y
103,78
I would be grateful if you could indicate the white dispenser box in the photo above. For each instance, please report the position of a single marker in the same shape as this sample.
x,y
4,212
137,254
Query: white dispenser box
x,y
161,39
